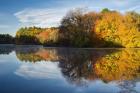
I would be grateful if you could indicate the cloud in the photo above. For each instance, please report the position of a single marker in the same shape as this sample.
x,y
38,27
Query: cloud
x,y
41,17
40,70
48,17
135,8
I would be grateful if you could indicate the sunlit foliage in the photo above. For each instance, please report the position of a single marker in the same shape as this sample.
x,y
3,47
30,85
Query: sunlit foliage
x,y
35,35
79,28
48,36
27,35
110,28
132,23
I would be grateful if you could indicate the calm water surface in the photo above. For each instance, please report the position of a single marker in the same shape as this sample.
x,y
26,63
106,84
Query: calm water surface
x,y
35,69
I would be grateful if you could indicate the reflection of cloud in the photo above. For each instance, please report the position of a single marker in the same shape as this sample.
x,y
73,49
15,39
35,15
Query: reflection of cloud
x,y
41,17
41,70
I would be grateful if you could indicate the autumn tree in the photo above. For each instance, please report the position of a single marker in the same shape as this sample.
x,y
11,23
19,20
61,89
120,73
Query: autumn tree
x,y
49,36
36,35
117,30
27,35
108,29
78,28
75,29
132,22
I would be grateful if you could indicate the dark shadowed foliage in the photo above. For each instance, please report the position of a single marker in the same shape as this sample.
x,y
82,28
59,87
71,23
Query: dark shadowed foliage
x,y
6,39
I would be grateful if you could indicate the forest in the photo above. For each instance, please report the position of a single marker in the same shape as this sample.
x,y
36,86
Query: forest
x,y
6,39
78,28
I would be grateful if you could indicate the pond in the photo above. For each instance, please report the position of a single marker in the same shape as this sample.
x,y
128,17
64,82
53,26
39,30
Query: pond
x,y
36,69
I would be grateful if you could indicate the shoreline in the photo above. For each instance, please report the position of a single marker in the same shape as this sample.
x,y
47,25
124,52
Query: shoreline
x,y
66,47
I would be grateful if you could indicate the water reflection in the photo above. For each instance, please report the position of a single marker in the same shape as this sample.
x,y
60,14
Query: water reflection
x,y
82,66
6,49
35,54
41,70
79,65
127,86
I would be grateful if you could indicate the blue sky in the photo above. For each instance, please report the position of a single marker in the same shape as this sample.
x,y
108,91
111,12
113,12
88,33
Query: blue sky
x,y
46,13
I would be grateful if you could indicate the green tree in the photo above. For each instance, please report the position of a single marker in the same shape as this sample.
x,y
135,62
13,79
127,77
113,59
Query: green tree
x,y
105,10
6,39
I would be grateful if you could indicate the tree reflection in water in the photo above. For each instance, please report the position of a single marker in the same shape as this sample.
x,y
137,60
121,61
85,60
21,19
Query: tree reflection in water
x,y
107,64
80,66
77,64
127,86
6,49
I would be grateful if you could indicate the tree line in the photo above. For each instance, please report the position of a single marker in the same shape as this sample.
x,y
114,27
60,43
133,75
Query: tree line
x,y
6,39
79,28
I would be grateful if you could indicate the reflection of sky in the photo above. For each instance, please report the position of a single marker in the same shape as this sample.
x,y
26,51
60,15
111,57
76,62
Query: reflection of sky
x,y
50,70
46,74
137,86
39,70
7,63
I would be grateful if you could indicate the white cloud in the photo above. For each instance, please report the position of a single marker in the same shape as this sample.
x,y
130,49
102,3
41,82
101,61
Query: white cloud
x,y
41,17
40,70
48,17
135,8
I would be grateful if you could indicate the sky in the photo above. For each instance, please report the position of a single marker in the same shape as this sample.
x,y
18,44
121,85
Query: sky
x,y
47,13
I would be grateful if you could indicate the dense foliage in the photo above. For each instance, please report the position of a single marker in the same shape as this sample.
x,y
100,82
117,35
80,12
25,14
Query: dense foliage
x,y
85,29
105,29
27,35
35,35
75,29
6,39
